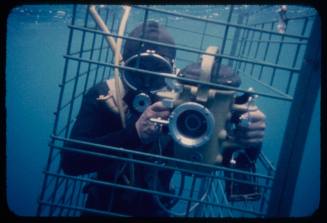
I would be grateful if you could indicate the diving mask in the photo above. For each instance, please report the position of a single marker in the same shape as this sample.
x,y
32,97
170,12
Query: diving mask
x,y
150,61
142,85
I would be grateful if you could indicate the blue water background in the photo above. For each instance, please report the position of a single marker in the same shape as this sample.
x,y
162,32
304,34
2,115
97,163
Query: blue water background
x,y
36,41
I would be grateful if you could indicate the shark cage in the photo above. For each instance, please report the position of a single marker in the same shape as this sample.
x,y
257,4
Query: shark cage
x,y
267,45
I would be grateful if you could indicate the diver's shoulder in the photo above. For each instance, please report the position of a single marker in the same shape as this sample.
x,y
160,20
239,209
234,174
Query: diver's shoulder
x,y
98,89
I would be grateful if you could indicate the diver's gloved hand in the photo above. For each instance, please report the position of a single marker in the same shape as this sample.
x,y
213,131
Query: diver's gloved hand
x,y
147,130
251,128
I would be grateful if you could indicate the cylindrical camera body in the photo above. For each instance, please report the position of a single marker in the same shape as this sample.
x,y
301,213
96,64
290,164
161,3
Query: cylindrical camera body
x,y
199,130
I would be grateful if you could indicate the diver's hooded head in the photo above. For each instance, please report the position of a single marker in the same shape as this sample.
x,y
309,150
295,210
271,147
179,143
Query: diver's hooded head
x,y
154,32
147,56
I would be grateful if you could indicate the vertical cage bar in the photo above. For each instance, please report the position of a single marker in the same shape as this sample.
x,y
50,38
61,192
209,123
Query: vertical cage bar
x,y
101,49
223,43
296,131
89,65
71,105
236,38
166,21
223,198
77,72
204,185
55,126
63,196
264,199
277,60
108,50
145,20
215,212
257,49
71,197
54,193
251,43
202,37
296,56
91,57
191,195
250,40
266,50
243,44
204,190
108,47
78,197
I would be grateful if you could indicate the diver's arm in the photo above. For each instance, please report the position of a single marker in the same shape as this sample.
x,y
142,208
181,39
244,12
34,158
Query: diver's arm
x,y
250,137
74,163
87,128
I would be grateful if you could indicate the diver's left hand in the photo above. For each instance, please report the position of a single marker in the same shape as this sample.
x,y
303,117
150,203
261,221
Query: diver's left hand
x,y
252,133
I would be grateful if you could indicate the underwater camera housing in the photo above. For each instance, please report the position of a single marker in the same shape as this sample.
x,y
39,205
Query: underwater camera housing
x,y
200,115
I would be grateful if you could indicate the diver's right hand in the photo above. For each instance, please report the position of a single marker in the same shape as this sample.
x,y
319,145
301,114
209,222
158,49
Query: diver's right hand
x,y
149,131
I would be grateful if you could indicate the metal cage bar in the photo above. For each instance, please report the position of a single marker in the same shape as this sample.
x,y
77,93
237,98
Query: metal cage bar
x,y
116,185
297,126
188,49
266,51
166,12
277,60
78,70
304,27
47,168
223,45
167,75
289,18
242,45
257,50
100,53
62,194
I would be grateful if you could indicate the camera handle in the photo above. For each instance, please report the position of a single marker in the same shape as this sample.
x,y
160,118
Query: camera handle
x,y
249,106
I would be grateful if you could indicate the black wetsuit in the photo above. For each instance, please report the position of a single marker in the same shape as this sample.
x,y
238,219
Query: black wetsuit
x,y
97,124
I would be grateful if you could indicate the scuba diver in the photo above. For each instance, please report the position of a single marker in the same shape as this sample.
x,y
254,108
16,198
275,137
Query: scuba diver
x,y
99,122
